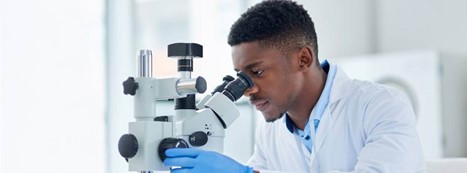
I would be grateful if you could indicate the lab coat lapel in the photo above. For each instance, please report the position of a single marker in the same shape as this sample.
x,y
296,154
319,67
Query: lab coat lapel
x,y
327,121
325,126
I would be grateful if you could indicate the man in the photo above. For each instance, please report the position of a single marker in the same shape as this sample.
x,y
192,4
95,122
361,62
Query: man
x,y
319,119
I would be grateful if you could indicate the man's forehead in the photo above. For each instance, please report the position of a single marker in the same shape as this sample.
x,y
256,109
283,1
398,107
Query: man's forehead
x,y
245,50
250,54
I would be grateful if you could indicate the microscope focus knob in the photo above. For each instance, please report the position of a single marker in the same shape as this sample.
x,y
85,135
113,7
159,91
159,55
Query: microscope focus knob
x,y
128,146
130,86
170,143
198,138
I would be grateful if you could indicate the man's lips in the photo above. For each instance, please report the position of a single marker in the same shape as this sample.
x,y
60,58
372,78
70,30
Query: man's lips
x,y
260,104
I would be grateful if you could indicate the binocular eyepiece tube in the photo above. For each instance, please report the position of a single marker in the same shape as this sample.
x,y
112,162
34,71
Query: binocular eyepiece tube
x,y
235,89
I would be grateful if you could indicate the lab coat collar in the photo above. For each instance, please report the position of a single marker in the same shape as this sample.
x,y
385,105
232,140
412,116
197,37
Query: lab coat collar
x,y
339,89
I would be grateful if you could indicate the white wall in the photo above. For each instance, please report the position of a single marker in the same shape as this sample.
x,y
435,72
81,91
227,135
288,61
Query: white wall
x,y
416,24
52,86
120,63
438,25
343,28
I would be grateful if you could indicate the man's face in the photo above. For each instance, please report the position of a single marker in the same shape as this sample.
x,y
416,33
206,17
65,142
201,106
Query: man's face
x,y
275,77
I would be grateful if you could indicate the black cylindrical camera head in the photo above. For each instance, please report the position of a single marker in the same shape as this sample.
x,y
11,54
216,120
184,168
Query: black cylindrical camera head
x,y
185,49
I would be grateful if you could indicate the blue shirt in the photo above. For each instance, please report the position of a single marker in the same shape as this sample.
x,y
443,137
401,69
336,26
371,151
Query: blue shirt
x,y
318,110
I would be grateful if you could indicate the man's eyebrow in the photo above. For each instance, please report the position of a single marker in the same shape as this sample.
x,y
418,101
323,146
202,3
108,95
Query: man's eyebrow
x,y
250,65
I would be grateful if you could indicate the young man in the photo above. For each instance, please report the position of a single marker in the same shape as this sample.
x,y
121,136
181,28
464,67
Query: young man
x,y
319,119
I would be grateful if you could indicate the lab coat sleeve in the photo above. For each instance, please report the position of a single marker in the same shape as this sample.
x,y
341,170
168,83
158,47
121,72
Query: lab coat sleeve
x,y
392,143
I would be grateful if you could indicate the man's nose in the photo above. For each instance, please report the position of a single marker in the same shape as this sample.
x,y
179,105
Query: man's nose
x,y
250,91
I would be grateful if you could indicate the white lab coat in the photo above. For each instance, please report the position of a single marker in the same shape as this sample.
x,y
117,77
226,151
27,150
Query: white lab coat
x,y
366,127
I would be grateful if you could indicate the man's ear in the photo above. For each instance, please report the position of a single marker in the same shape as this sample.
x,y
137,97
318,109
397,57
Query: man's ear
x,y
306,58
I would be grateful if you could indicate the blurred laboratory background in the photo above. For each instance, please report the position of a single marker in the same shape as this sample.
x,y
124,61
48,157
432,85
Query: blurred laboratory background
x,y
62,64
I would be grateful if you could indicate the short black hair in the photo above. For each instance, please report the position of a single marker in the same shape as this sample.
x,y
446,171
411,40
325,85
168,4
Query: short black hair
x,y
281,24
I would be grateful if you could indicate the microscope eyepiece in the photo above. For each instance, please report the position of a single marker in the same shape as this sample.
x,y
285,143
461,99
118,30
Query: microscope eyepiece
x,y
221,87
235,89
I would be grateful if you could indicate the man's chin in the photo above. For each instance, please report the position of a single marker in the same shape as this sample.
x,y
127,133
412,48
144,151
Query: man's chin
x,y
273,118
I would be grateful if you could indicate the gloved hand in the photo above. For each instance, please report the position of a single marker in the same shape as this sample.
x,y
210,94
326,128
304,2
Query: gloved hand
x,y
199,161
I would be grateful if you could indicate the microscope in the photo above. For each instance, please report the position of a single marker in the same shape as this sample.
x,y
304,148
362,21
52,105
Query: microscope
x,y
200,125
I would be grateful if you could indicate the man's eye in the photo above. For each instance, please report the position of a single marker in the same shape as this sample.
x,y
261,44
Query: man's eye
x,y
258,72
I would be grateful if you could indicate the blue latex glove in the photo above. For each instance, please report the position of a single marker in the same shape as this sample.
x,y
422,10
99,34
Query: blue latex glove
x,y
199,161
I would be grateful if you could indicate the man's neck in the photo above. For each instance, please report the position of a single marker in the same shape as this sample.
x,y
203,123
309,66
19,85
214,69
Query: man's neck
x,y
309,96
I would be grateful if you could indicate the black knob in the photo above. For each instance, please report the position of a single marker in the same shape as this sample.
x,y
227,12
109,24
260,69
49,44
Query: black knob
x,y
130,86
185,49
128,146
198,139
170,143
